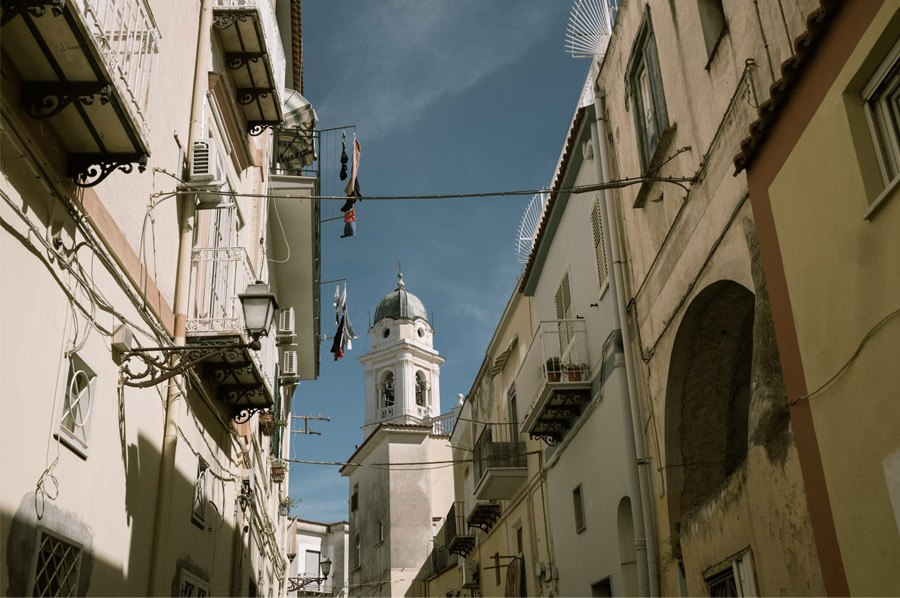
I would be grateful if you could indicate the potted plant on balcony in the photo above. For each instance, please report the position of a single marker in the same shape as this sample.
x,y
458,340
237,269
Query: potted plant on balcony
x,y
285,505
279,468
266,423
574,371
554,369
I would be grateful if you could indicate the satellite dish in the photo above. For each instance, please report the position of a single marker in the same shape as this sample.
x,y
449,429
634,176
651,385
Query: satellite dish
x,y
528,227
590,25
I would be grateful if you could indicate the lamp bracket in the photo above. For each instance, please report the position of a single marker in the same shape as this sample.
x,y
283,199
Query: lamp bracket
x,y
298,583
143,367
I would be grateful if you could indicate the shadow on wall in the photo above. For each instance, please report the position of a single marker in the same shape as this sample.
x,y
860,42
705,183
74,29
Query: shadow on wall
x,y
66,539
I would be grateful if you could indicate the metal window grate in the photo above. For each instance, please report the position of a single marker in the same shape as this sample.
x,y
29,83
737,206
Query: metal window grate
x,y
57,567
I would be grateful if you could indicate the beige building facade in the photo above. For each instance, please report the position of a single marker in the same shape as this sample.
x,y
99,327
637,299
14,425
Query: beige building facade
x,y
677,88
135,214
821,162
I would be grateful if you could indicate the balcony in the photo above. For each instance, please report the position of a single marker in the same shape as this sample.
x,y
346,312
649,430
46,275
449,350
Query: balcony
x,y
555,377
254,56
500,462
85,66
241,378
294,228
459,540
484,514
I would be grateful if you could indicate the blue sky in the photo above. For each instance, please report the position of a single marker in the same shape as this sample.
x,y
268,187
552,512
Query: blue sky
x,y
460,96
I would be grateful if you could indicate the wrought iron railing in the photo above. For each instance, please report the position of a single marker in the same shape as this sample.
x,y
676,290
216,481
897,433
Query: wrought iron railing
x,y
558,354
498,446
456,522
128,39
218,276
271,36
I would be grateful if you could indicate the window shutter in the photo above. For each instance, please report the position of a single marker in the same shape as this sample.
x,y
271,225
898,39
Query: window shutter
x,y
564,312
599,243
659,99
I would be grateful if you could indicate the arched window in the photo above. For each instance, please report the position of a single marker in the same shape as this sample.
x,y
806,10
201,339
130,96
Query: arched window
x,y
421,389
386,389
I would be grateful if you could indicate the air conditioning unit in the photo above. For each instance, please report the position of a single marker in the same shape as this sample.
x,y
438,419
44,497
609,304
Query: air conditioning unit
x,y
286,325
206,168
468,574
289,364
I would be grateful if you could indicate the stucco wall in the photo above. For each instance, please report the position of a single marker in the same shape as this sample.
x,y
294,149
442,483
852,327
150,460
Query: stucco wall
x,y
842,278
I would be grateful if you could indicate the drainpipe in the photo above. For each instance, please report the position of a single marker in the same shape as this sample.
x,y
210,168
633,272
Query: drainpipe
x,y
638,475
160,555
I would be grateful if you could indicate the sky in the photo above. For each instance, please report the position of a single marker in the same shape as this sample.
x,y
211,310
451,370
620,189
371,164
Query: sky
x,y
446,96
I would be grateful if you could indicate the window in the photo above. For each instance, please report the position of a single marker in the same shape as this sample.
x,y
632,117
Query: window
x,y
882,101
78,403
57,567
513,413
602,588
201,493
191,585
311,568
356,552
387,390
564,312
712,21
644,86
421,389
578,502
380,531
734,576
354,498
599,243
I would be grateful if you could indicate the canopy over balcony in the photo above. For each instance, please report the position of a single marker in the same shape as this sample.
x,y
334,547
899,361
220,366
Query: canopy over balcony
x,y
254,56
86,67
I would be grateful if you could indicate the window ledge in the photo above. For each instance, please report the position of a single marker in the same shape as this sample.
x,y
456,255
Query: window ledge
x,y
882,198
665,140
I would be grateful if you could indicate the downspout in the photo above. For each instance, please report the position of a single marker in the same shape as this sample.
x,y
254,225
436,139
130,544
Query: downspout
x,y
159,554
638,475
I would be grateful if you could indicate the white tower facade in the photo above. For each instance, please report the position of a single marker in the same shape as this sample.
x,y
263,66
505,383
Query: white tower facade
x,y
402,368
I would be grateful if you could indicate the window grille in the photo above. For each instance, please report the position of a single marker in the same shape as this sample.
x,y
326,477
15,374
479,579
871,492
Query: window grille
x,y
192,586
354,498
599,243
78,403
57,567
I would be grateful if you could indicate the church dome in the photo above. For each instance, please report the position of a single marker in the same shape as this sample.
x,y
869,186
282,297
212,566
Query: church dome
x,y
400,305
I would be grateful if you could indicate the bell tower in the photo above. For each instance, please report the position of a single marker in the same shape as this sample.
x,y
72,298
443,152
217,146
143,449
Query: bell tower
x,y
402,369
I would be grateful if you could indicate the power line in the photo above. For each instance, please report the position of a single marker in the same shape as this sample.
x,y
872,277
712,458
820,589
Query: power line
x,y
411,463
682,182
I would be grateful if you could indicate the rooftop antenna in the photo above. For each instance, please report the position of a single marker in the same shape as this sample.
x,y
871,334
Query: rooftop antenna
x,y
589,28
528,227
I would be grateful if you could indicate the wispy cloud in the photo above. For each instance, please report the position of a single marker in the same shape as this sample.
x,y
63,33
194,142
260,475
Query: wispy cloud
x,y
401,56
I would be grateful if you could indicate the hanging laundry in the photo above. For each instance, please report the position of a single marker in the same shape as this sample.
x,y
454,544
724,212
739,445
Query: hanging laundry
x,y
348,204
349,224
344,335
352,189
337,347
344,158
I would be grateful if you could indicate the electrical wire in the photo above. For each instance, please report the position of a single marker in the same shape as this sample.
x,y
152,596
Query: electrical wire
x,y
851,359
578,189
408,464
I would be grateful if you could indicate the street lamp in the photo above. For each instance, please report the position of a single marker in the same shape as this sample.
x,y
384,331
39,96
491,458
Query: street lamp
x,y
157,363
298,583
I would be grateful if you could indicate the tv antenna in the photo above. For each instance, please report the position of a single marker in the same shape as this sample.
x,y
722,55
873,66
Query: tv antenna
x,y
528,227
590,25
